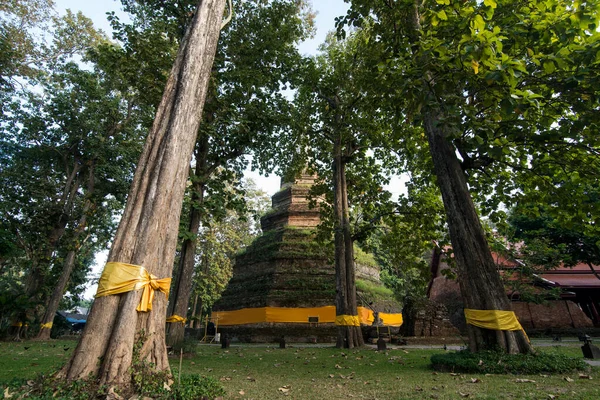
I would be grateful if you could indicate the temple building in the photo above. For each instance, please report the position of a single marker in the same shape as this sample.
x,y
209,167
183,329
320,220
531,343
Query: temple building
x,y
575,310
283,284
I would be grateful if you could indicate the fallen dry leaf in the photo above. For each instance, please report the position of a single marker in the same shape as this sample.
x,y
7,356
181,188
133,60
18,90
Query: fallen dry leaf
x,y
584,376
337,366
519,380
285,389
7,395
480,362
418,389
331,375
551,396
251,379
225,378
464,394
475,380
111,394
242,392
568,379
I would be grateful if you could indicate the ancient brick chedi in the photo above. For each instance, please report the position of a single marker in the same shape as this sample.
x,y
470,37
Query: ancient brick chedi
x,y
287,267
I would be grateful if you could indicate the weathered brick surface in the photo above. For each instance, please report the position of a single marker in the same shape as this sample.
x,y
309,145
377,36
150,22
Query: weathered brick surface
x,y
556,314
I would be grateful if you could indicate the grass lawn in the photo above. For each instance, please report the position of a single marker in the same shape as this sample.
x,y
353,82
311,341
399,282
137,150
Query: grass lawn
x,y
303,372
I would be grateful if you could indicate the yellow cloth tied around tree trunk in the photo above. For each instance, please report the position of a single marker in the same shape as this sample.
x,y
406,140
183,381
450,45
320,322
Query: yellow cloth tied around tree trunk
x,y
121,277
347,320
496,320
47,325
177,318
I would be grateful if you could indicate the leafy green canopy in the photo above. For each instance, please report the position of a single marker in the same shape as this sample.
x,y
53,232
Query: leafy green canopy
x,y
517,80
547,242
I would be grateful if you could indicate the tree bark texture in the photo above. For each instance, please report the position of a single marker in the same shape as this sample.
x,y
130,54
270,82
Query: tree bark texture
x,y
345,302
182,289
147,233
478,277
194,318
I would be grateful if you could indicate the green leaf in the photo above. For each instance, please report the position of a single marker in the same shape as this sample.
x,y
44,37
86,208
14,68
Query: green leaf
x,y
478,24
490,3
442,15
549,67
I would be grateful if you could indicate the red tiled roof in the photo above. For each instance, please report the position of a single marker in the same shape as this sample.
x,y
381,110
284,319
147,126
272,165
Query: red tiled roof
x,y
573,280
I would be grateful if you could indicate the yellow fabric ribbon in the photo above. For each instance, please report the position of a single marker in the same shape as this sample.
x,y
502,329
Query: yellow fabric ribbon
x,y
47,325
121,277
496,320
347,320
177,318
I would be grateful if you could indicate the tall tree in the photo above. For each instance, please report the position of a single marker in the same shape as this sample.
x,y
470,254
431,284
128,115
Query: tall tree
x,y
43,135
103,138
341,135
147,234
77,138
244,109
486,82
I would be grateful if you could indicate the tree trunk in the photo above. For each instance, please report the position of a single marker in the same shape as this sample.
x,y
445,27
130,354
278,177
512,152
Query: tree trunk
x,y
348,336
479,280
37,274
147,233
182,290
42,261
193,317
478,277
69,263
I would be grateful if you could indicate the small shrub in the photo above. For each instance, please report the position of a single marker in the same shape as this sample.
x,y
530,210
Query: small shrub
x,y
197,387
497,362
189,346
